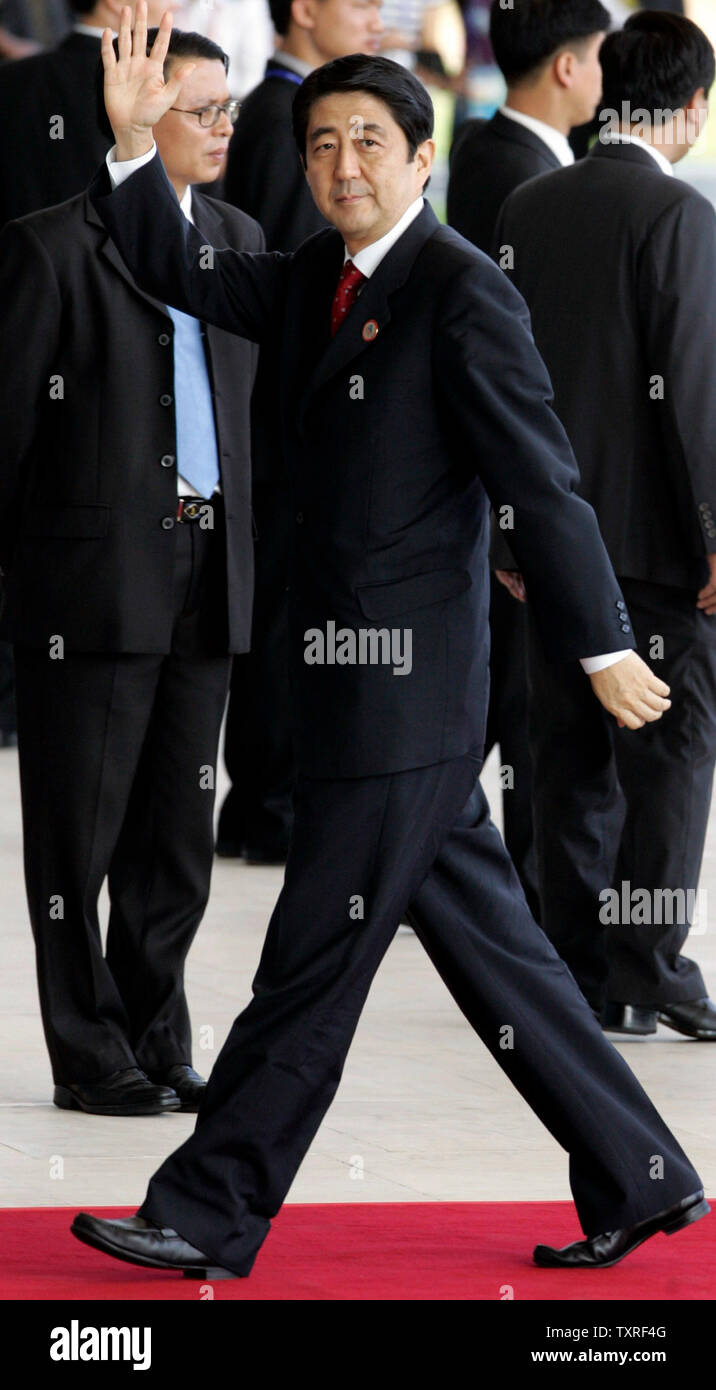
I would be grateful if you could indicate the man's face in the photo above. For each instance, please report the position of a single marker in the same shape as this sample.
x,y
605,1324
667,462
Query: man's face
x,y
339,27
190,152
586,91
357,166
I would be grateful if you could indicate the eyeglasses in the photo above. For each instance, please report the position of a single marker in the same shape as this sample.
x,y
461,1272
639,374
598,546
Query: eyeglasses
x,y
209,115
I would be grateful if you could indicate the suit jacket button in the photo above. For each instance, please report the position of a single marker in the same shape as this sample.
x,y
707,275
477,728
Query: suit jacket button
x,y
164,340
167,523
165,399
167,460
299,517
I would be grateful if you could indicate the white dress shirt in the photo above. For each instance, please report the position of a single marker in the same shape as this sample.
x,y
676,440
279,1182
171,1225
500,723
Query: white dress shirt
x,y
554,139
367,261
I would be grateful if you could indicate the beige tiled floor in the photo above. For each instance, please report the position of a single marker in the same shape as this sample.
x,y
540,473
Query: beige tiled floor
x,y
423,1112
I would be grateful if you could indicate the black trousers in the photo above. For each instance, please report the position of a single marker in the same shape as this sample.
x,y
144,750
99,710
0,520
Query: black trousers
x,y
258,751
507,727
617,806
117,770
8,721
363,852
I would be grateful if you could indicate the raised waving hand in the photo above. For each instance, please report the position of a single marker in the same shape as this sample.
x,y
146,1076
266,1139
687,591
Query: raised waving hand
x,y
135,93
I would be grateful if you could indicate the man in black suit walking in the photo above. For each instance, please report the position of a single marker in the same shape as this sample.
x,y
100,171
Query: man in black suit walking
x,y
548,55
126,539
623,304
265,178
410,388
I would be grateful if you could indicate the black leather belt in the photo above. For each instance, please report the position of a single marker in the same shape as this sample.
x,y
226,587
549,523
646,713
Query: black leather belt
x,y
192,508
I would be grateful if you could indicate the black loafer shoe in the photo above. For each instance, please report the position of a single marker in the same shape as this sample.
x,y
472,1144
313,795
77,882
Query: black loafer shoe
x,y
187,1083
142,1242
628,1018
127,1092
696,1019
599,1252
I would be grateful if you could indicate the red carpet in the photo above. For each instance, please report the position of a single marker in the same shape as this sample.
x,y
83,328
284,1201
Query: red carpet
x,y
425,1250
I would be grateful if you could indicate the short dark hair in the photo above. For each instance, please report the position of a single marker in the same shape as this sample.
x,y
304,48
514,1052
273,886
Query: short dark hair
x,y
532,31
183,43
405,97
655,63
281,15
83,6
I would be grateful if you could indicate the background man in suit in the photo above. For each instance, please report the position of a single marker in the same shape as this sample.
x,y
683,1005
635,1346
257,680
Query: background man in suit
x,y
623,303
265,178
51,145
548,55
401,406
125,598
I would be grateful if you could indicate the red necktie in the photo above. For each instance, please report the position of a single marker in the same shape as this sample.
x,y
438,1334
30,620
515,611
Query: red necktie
x,y
346,294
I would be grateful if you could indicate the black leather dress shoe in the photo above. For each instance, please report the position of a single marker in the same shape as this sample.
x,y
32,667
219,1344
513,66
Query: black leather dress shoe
x,y
127,1092
187,1083
142,1242
696,1019
628,1018
599,1252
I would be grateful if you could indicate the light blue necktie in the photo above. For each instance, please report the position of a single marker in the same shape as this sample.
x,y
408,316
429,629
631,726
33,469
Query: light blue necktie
x,y
197,454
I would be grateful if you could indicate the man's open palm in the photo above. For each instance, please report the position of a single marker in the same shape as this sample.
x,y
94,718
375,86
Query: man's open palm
x,y
135,93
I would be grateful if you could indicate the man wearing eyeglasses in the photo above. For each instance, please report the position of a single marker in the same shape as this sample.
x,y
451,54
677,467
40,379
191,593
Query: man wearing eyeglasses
x,y
126,541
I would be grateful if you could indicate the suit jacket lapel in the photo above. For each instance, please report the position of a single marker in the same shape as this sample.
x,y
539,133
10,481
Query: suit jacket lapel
x,y
111,254
372,303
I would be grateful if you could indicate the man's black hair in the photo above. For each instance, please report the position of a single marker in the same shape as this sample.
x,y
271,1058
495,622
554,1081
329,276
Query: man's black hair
x,y
280,15
525,36
655,63
391,83
183,44
82,6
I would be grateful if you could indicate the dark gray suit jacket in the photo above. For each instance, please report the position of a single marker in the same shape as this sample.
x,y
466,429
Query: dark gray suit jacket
x,y
88,466
617,262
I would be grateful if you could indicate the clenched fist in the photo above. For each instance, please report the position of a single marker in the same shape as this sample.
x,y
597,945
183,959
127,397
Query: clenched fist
x,y
631,692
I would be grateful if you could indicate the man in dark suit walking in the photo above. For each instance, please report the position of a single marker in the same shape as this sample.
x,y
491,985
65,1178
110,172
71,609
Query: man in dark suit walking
x,y
403,406
623,304
126,539
265,178
548,55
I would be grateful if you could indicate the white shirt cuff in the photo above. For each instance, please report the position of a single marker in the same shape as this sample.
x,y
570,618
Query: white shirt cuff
x,y
119,170
590,664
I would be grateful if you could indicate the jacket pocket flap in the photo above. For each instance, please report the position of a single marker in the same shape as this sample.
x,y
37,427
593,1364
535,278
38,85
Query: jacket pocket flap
x,y
80,522
418,591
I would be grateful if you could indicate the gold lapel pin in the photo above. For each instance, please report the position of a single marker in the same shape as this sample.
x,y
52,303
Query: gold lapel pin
x,y
369,331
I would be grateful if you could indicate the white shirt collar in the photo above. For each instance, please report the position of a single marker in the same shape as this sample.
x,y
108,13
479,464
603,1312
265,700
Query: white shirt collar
x,y
618,137
368,260
288,60
554,139
185,204
90,29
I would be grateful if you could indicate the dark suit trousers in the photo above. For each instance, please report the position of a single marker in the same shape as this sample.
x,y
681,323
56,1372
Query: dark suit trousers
x,y
379,846
616,806
117,767
258,750
507,727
